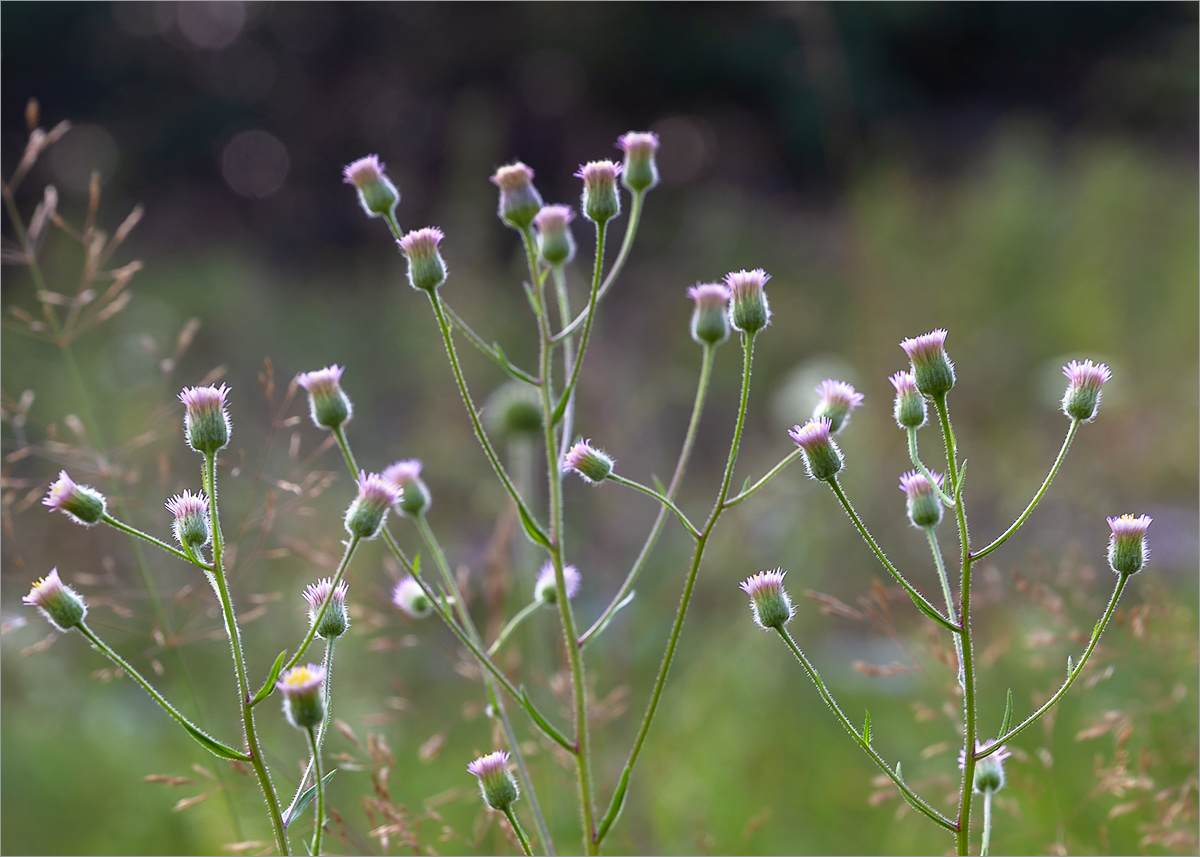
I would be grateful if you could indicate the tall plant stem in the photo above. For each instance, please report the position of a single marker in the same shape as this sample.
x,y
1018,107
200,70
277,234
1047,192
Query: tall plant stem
x,y
516,826
319,613
320,817
987,824
936,550
321,733
593,298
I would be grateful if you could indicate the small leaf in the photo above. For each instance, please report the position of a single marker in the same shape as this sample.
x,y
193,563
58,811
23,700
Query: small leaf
x,y
269,684
305,799
1070,665
866,733
1096,631
214,746
1004,724
658,486
899,773
745,486
543,723
614,809
531,528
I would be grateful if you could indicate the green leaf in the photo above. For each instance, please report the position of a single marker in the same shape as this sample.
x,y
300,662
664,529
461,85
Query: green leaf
x,y
269,684
214,746
745,485
1096,631
658,486
305,799
1007,714
543,723
899,773
531,528
1070,665
614,808
867,729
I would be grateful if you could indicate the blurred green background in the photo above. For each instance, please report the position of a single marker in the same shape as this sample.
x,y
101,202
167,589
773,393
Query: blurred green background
x,y
1024,175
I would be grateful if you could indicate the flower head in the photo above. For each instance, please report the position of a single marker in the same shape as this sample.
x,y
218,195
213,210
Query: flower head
x,y
426,267
327,403
303,702
406,475
375,496
411,598
592,464
768,599
1127,548
838,399
640,172
376,194
710,319
556,245
749,310
822,458
601,202
81,503
910,410
496,782
59,603
931,368
1084,380
924,505
989,771
206,420
519,200
192,527
336,619
546,589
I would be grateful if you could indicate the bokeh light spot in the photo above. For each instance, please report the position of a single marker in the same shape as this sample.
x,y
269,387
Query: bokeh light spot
x,y
255,164
211,25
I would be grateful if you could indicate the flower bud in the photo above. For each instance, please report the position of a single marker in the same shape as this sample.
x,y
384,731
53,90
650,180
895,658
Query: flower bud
x,y
336,620
1127,549
81,503
592,464
838,399
59,603
1084,380
931,368
406,476
768,599
411,598
192,527
426,268
555,244
910,410
924,505
303,702
519,200
601,202
710,320
366,514
546,589
206,422
496,782
640,172
327,404
989,772
376,194
749,311
822,458
514,409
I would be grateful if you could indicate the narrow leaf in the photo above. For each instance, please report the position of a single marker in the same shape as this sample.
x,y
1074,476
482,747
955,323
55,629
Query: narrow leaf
x,y
658,486
213,745
624,602
614,808
1070,665
1096,631
269,684
745,485
1007,714
866,733
543,723
531,528
899,773
305,799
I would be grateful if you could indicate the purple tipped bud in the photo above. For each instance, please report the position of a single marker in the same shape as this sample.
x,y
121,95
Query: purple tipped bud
x,y
822,458
303,702
838,399
406,475
376,194
555,244
1084,380
62,606
426,268
989,772
519,200
327,404
768,599
601,202
931,368
192,527
710,319
640,172
496,782
81,503
924,505
411,598
910,410
1127,549
366,514
206,421
592,464
336,619
546,589
749,311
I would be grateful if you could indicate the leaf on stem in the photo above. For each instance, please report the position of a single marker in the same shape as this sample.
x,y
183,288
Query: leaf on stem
x,y
866,733
531,528
269,684
899,773
543,723
305,799
1008,709
1070,665
614,809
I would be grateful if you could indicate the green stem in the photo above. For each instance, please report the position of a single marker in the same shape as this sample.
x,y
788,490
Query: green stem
x,y
564,315
489,350
1062,454
516,826
987,823
664,500
593,298
771,474
319,616
915,456
525,612
320,816
321,733
136,533
914,800
936,549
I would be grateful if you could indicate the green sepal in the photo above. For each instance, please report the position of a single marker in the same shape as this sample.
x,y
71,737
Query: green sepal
x,y
305,799
543,723
1007,714
269,684
614,808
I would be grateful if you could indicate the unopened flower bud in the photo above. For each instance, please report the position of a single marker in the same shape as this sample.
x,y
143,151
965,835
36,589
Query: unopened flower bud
x,y
593,465
514,409
81,503
546,589
1084,380
555,244
710,319
426,268
838,399
822,458
327,403
924,505
336,620
931,368
640,172
496,782
768,599
1127,549
415,498
59,603
749,311
411,598
601,202
519,200
910,410
366,514
989,771
192,527
303,701
206,421
376,194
